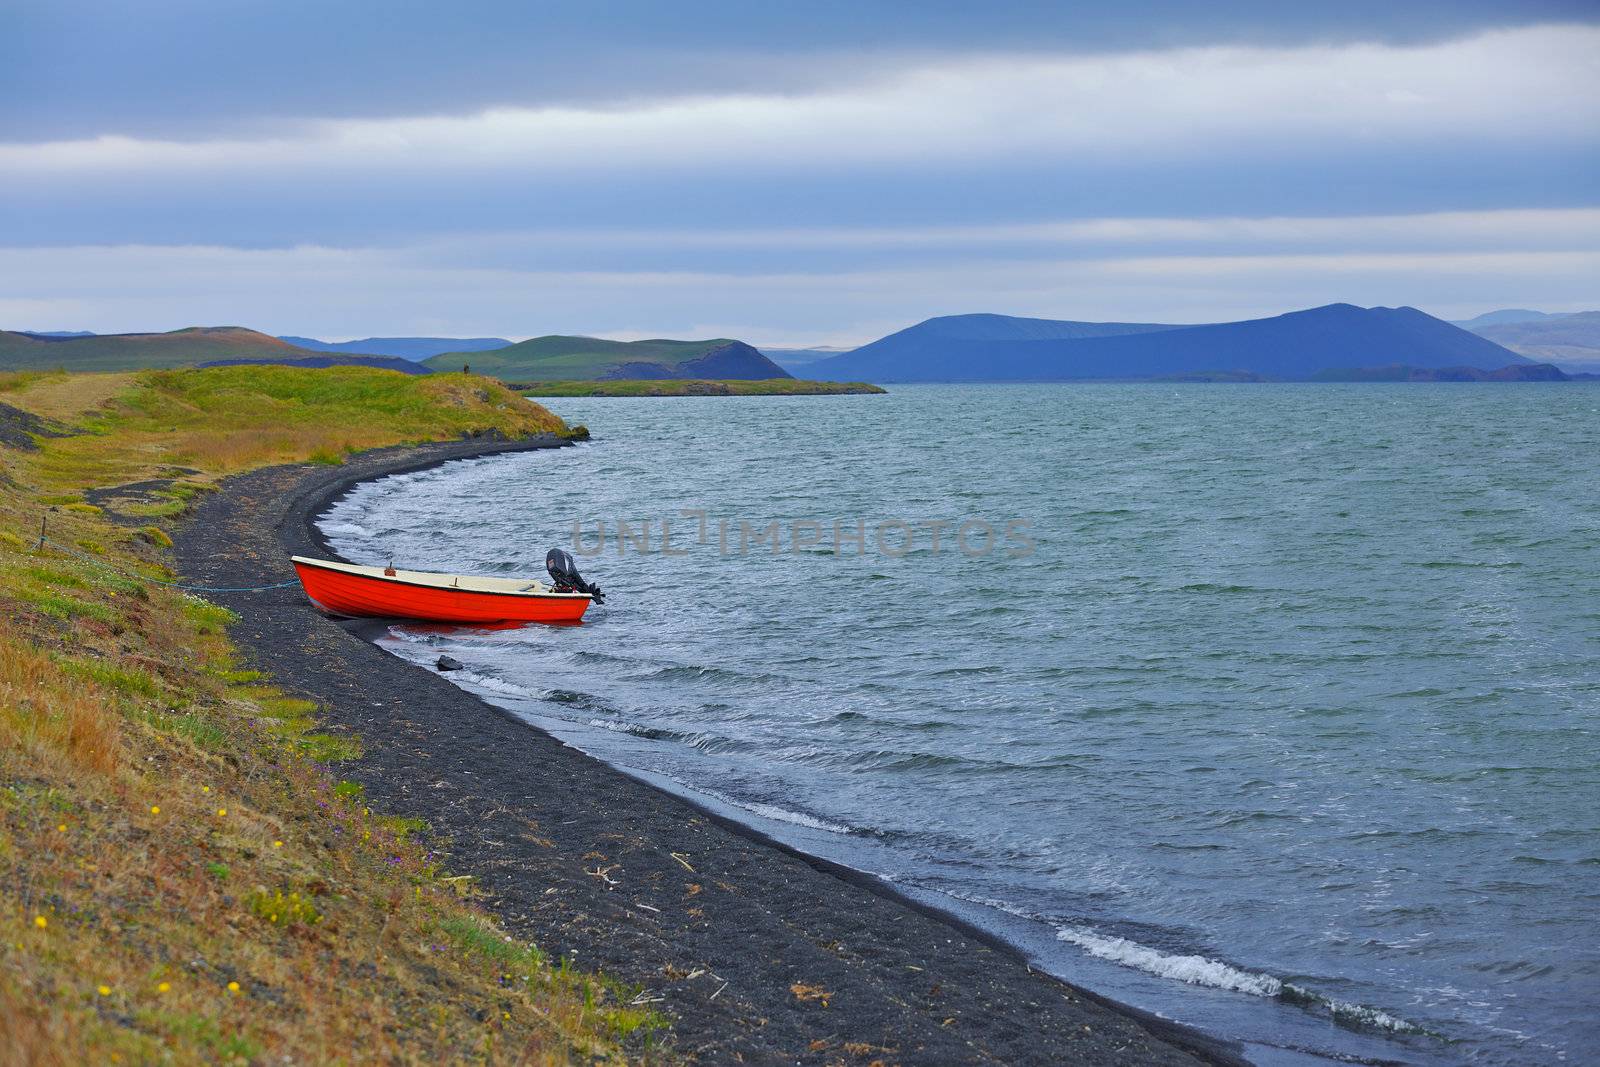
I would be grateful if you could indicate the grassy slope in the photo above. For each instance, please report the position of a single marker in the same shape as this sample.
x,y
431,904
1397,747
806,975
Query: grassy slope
x,y
566,358
695,387
184,877
140,351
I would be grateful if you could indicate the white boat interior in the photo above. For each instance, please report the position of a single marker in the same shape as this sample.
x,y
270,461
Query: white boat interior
x,y
467,582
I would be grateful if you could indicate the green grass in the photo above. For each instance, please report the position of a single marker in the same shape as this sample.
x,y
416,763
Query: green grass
x,y
164,510
472,935
693,387
126,680
60,605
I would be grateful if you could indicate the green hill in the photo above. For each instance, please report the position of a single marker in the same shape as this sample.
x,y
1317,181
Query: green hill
x,y
141,351
558,358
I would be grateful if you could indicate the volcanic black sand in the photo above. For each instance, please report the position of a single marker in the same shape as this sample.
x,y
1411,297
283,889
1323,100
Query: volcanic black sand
x,y
758,955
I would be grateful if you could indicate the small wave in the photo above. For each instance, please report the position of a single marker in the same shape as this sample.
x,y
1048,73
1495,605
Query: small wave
x,y
634,729
583,701
410,635
798,818
344,529
1214,974
899,760
493,685
1193,970
703,674
701,742
777,814
585,655
956,672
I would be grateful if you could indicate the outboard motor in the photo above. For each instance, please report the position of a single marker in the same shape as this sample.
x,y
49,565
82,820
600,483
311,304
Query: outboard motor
x,y
564,572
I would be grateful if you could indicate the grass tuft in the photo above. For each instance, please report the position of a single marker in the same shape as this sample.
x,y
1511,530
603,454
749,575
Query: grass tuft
x,y
284,909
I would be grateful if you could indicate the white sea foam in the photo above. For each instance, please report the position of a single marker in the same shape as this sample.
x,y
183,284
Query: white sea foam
x,y
493,685
1362,1015
1204,971
771,811
798,818
615,726
345,529
1194,970
401,633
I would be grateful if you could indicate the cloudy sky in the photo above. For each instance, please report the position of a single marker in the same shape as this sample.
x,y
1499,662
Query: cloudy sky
x,y
821,173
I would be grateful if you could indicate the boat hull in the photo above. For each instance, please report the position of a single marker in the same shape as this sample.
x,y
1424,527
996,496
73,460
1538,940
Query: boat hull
x,y
340,593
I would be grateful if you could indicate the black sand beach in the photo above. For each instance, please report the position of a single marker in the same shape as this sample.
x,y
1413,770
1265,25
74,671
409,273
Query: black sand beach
x,y
757,955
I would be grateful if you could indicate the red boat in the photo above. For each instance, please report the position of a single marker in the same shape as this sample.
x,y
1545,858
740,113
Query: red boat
x,y
383,592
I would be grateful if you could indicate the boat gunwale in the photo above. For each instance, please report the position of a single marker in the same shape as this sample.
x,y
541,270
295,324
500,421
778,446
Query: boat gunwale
x,y
338,568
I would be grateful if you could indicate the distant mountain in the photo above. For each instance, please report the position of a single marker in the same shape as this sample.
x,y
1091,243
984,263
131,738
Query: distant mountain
x,y
1293,347
978,327
417,348
951,346
404,366
139,351
1006,328
792,358
558,358
1503,316
1572,341
55,334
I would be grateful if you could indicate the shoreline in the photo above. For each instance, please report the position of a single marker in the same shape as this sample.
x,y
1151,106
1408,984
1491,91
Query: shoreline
x,y
756,950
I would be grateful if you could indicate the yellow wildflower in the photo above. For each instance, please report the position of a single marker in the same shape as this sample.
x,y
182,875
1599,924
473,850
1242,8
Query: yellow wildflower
x,y
222,811
277,844
233,987
62,828
105,991
40,921
163,987
155,810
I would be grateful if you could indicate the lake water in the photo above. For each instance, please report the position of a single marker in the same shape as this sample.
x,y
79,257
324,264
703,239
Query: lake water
x,y
1278,712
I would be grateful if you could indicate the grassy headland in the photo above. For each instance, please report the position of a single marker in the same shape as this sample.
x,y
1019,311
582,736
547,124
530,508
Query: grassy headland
x,y
694,387
185,876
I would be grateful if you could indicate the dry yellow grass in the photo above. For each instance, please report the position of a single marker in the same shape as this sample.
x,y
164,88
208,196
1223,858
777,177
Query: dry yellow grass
x,y
57,395
184,878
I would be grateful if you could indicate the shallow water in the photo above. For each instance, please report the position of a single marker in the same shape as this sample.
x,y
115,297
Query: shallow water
x,y
1286,726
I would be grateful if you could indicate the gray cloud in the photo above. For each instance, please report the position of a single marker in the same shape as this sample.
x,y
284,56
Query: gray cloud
x,y
192,68
1187,183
